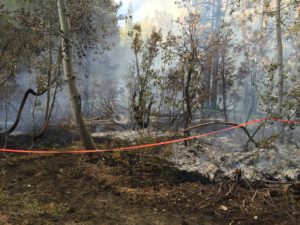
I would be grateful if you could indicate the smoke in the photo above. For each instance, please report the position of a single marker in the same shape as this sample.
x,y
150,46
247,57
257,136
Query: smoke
x,y
149,8
103,74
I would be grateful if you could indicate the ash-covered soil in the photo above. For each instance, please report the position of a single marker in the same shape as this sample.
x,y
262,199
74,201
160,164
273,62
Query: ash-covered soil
x,y
219,157
133,188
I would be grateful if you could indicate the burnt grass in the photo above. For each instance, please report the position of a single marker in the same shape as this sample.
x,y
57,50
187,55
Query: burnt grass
x,y
129,188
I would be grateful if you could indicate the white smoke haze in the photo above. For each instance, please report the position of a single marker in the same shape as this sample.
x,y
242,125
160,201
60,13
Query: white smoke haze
x,y
149,8
103,75
156,13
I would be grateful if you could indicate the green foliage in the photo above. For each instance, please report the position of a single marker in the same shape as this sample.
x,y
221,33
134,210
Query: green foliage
x,y
268,96
30,37
144,76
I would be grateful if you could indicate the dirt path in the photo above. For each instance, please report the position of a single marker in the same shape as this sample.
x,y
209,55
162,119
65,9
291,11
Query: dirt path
x,y
131,190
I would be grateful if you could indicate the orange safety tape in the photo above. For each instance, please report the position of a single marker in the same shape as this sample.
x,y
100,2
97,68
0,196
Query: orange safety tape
x,y
286,121
129,148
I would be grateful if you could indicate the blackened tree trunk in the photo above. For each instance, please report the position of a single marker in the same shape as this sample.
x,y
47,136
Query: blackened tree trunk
x,y
187,100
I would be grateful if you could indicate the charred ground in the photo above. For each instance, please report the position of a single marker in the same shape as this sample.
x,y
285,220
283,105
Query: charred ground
x,y
131,188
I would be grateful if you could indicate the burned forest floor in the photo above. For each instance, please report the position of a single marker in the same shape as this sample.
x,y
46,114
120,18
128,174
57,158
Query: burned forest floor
x,y
132,188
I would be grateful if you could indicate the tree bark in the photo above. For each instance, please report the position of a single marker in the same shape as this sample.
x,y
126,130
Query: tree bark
x,y
214,86
215,70
224,94
47,120
86,105
85,136
187,100
279,56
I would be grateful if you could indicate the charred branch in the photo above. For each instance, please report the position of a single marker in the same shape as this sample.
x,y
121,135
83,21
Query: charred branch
x,y
223,123
20,110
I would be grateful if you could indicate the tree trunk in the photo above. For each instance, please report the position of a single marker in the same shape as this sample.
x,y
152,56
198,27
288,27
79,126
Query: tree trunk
x,y
47,111
86,105
214,85
85,136
207,86
224,94
215,70
187,97
187,101
279,57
